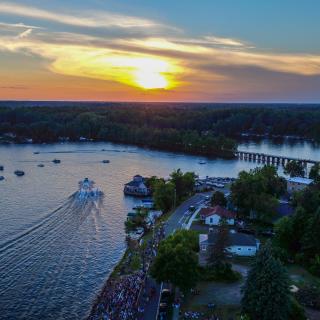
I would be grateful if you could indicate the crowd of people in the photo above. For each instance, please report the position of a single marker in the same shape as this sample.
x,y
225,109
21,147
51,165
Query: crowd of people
x,y
120,298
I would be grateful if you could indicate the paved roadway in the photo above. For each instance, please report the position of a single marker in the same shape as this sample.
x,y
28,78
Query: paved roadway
x,y
175,222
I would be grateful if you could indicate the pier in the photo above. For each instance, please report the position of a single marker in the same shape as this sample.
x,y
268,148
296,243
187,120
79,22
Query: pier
x,y
271,159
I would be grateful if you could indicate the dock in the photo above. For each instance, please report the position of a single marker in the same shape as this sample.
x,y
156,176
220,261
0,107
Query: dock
x,y
272,159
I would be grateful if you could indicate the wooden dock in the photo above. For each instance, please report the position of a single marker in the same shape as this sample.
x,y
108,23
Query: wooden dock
x,y
271,159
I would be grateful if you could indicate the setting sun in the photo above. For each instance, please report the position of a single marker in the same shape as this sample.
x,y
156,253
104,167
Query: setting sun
x,y
151,80
149,73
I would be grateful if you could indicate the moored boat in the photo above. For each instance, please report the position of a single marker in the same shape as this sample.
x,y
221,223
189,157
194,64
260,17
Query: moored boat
x,y
40,165
1,168
105,161
56,161
19,173
1,178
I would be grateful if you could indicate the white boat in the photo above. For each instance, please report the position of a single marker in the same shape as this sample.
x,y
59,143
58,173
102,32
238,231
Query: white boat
x,y
202,162
88,190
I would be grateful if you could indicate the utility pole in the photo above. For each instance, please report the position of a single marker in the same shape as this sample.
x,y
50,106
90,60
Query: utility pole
x,y
175,198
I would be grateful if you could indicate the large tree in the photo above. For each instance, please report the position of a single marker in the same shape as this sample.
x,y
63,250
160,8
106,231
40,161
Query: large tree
x,y
163,194
184,183
315,172
217,255
219,199
177,261
266,291
257,191
294,169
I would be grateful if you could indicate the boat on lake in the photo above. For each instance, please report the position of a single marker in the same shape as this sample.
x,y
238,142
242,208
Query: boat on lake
x,y
105,161
1,168
1,178
40,165
88,190
19,173
202,162
56,161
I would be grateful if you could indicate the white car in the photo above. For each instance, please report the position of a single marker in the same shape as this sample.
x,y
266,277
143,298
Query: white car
x,y
219,185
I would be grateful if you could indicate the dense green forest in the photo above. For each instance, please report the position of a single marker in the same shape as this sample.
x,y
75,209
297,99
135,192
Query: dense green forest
x,y
204,129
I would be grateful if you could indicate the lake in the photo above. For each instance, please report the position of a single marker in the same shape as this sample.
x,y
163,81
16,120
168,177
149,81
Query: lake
x,y
55,253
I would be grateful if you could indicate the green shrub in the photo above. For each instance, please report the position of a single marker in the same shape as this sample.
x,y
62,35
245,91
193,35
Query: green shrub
x,y
222,272
296,310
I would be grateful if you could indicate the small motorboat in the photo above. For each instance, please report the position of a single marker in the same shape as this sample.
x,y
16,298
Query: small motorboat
x,y
56,161
202,162
88,190
1,178
105,161
1,168
40,165
19,173
36,152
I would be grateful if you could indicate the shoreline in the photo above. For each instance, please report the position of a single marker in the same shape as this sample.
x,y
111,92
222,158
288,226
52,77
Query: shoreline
x,y
98,296
112,276
227,155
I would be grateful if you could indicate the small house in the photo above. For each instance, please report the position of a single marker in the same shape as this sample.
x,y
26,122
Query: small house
x,y
297,184
137,187
212,215
239,244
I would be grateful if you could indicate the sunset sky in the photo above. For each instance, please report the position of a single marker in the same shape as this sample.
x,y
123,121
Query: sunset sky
x,y
144,50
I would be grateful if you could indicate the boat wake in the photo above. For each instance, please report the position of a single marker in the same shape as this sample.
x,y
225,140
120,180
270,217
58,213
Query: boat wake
x,y
37,262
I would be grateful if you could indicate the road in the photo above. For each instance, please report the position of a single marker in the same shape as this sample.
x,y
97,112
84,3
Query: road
x,y
175,222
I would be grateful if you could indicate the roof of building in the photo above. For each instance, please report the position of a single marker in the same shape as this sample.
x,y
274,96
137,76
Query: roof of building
x,y
135,183
300,180
218,210
235,239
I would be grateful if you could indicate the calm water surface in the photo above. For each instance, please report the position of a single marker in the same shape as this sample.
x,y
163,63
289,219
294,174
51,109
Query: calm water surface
x,y
55,253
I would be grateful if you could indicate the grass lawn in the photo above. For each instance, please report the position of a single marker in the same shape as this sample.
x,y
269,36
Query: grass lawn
x,y
223,312
225,296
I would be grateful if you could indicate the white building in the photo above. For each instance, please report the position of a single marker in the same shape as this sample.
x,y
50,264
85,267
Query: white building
x,y
212,215
297,184
239,244
136,187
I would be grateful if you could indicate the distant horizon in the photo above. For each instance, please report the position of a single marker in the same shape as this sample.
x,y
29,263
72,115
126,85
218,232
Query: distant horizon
x,y
172,102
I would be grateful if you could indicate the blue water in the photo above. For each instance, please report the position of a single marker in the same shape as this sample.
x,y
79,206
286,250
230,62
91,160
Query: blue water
x,y
55,253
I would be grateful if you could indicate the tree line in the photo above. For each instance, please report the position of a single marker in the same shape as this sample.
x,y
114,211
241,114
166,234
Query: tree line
x,y
202,129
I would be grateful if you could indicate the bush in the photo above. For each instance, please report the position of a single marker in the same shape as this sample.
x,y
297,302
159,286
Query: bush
x,y
296,310
223,272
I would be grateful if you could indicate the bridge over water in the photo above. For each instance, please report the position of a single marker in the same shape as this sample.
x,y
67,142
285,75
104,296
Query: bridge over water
x,y
271,159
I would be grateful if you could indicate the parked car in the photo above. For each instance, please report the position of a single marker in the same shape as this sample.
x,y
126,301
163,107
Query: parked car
x,y
164,303
218,185
267,233
163,311
246,231
165,295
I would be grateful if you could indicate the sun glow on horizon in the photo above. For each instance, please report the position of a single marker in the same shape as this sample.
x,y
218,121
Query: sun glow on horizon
x,y
145,72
